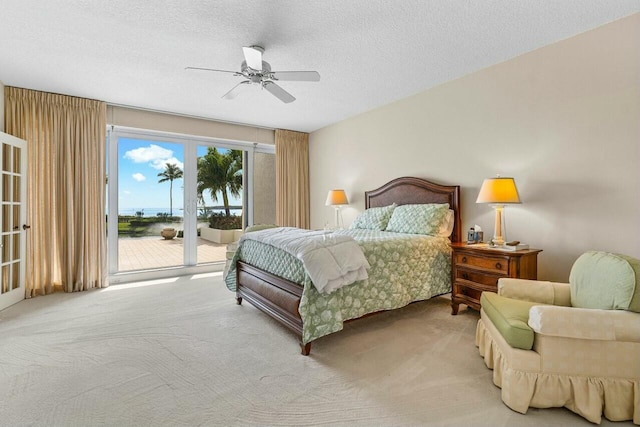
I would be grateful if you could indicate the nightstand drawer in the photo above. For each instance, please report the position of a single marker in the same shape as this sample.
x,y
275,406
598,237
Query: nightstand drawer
x,y
478,277
496,264
468,294
475,270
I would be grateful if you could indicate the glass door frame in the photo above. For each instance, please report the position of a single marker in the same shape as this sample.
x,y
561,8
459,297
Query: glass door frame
x,y
190,198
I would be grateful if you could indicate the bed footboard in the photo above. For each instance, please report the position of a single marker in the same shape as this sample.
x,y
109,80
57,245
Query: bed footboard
x,y
275,296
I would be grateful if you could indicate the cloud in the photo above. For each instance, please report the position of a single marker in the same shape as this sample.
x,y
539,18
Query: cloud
x,y
138,177
160,164
156,156
127,192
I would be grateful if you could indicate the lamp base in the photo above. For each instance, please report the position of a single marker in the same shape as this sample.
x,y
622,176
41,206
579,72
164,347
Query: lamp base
x,y
497,241
339,221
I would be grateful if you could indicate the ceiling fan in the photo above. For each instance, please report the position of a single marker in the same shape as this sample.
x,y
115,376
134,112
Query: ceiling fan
x,y
258,72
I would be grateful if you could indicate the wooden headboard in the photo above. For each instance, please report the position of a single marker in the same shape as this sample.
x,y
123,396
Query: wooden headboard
x,y
408,190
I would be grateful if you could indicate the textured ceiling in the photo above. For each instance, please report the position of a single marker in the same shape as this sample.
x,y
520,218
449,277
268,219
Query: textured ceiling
x,y
368,52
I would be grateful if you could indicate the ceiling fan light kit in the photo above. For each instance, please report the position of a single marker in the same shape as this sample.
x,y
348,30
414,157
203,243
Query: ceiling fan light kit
x,y
256,71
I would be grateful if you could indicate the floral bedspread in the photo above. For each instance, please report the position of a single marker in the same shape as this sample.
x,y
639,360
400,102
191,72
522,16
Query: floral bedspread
x,y
404,268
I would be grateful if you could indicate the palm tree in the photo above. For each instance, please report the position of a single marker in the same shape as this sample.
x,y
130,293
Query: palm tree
x,y
171,172
220,173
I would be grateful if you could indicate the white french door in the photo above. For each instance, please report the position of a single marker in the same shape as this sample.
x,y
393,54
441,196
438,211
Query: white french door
x,y
13,191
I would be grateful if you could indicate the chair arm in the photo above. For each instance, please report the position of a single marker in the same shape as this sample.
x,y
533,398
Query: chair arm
x,y
535,291
585,323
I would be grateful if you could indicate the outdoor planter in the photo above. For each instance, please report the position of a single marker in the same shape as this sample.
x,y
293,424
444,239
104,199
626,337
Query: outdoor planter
x,y
220,236
168,233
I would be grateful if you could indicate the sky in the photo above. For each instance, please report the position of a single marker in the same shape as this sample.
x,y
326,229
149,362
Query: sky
x,y
139,162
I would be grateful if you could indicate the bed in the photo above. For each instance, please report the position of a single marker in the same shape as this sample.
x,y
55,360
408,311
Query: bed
x,y
280,288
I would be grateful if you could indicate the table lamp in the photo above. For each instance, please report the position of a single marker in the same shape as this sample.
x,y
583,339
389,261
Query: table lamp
x,y
498,192
337,198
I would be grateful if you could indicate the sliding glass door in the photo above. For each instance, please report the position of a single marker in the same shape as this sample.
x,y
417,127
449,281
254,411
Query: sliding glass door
x,y
150,204
175,201
219,191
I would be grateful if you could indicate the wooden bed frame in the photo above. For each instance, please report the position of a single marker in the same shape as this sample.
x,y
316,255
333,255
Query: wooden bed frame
x,y
280,298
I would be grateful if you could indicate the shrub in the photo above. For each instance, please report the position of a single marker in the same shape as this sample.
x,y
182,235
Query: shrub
x,y
223,222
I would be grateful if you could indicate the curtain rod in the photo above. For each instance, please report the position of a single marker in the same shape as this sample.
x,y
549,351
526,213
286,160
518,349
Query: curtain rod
x,y
190,116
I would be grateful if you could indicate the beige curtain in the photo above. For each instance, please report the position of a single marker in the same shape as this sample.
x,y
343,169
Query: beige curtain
x,y
66,137
292,178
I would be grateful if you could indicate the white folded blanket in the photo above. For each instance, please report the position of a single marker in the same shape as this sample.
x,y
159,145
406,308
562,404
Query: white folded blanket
x,y
331,260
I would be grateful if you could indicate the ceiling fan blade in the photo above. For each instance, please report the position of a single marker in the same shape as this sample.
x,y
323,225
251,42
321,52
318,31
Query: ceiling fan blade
x,y
235,90
253,56
278,92
296,76
210,69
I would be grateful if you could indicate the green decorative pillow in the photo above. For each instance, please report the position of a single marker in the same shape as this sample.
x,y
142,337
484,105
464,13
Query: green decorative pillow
x,y
374,218
605,281
419,219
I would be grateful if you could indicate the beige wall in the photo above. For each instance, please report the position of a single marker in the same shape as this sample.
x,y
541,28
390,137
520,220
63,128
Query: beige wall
x,y
144,119
264,188
563,120
1,107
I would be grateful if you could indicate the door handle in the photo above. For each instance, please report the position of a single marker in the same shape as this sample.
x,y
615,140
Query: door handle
x,y
25,226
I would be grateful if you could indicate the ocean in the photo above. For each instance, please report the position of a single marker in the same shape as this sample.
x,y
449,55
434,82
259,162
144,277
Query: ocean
x,y
150,212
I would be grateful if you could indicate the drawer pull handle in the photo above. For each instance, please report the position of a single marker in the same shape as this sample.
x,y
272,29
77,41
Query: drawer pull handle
x,y
465,276
464,259
498,265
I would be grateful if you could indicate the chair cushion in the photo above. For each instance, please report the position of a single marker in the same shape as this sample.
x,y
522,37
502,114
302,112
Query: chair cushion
x,y
510,317
605,281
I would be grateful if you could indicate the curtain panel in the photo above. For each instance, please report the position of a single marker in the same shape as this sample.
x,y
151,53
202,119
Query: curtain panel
x,y
292,178
66,137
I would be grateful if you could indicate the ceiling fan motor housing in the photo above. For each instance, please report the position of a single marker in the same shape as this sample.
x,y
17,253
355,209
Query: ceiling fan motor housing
x,y
256,76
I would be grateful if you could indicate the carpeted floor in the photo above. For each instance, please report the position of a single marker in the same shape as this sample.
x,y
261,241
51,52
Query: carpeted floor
x,y
181,352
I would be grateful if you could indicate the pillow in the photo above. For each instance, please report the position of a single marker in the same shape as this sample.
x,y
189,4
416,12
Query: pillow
x,y
419,219
605,281
374,218
447,225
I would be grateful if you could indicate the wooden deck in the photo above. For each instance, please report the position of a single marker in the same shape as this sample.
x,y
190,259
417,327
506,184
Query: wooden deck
x,y
143,253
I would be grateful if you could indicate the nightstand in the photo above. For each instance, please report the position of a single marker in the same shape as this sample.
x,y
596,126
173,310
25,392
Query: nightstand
x,y
475,269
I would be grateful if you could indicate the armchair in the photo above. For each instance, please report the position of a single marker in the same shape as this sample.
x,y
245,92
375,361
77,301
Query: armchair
x,y
573,344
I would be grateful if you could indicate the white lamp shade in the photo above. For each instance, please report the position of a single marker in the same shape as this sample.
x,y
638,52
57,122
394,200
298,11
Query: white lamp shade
x,y
336,197
499,191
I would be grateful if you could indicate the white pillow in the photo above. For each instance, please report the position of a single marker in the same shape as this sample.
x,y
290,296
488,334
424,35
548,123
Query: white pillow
x,y
449,222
